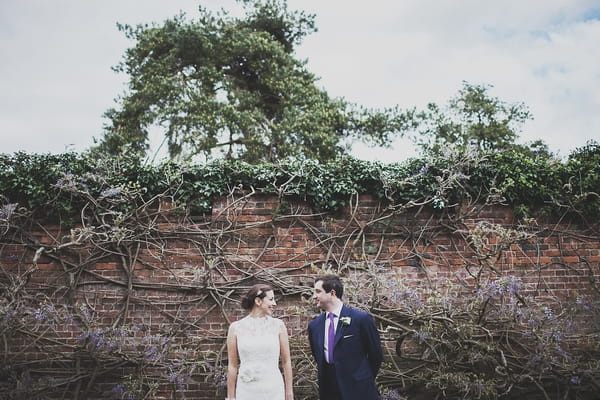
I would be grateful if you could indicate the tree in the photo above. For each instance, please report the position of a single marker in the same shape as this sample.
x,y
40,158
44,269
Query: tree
x,y
473,119
232,86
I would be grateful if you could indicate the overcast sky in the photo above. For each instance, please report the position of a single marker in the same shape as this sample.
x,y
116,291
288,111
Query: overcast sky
x,y
56,79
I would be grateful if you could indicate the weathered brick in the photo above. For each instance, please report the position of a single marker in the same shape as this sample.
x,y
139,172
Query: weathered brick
x,y
552,267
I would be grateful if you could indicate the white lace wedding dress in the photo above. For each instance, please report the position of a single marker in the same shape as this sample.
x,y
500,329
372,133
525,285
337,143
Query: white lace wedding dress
x,y
259,376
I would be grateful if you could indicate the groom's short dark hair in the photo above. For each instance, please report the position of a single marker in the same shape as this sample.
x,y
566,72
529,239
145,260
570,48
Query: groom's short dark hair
x,y
332,282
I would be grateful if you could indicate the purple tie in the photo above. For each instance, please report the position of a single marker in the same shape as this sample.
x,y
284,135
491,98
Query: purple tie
x,y
331,337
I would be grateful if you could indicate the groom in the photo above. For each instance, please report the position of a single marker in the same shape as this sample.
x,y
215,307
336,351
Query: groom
x,y
345,344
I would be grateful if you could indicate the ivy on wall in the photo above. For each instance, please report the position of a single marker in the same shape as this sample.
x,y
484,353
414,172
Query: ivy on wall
x,y
532,185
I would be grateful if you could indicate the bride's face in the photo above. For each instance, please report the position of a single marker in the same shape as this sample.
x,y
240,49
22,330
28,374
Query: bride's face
x,y
267,303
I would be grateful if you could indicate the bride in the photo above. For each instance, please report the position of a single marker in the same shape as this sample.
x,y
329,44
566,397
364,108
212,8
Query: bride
x,y
254,346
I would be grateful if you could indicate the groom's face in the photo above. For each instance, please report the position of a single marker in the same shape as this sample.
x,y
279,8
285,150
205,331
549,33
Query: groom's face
x,y
322,299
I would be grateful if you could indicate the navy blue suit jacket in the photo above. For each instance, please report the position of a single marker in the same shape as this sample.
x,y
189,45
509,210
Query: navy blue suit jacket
x,y
357,353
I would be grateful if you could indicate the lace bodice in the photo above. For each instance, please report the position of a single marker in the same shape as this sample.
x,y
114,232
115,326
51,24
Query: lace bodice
x,y
252,326
258,351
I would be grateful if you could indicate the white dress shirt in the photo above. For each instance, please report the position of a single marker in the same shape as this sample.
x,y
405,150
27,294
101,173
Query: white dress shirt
x,y
337,312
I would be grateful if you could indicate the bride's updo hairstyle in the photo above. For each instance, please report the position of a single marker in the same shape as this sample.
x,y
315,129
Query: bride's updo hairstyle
x,y
257,291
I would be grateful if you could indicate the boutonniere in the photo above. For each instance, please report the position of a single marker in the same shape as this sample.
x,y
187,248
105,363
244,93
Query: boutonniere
x,y
346,321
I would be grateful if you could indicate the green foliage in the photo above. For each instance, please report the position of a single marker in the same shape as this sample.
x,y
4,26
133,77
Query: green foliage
x,y
51,185
581,181
537,185
527,182
233,86
471,119
28,180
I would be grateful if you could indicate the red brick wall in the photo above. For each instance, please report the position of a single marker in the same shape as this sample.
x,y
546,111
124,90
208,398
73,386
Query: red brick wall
x,y
183,276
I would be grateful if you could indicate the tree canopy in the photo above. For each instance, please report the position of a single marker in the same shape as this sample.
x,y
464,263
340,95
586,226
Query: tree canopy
x,y
223,86
473,119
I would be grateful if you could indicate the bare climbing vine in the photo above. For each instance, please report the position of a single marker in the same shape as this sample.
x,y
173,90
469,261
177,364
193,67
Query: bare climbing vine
x,y
132,300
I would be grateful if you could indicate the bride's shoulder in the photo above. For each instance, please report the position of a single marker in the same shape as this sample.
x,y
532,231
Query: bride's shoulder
x,y
278,324
235,325
273,322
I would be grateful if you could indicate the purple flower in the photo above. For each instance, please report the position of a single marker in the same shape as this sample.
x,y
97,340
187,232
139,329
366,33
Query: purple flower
x,y
506,285
70,182
87,315
532,323
7,211
118,390
219,377
40,315
46,313
179,380
208,366
478,387
98,340
549,314
111,192
421,336
392,394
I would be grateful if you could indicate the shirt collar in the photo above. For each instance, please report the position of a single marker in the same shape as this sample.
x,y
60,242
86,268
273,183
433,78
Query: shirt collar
x,y
337,311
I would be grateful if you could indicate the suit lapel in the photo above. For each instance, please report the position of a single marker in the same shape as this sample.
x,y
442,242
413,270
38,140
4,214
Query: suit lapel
x,y
339,331
320,333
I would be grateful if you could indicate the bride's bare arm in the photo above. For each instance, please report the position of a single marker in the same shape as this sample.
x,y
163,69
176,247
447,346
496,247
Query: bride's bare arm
x,y
286,362
232,363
